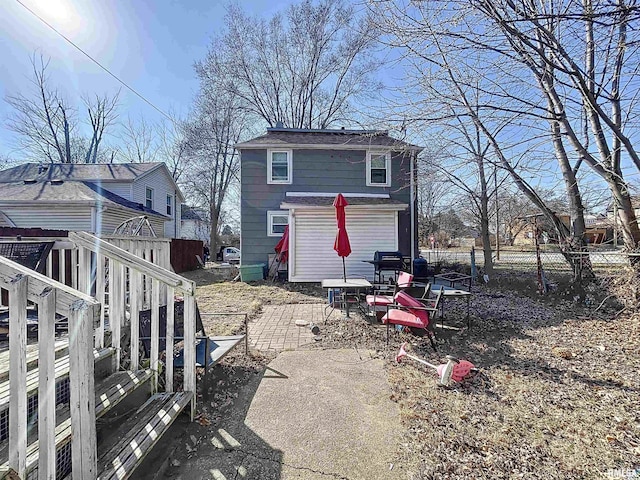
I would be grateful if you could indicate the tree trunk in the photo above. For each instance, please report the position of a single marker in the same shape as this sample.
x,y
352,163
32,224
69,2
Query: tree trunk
x,y
214,239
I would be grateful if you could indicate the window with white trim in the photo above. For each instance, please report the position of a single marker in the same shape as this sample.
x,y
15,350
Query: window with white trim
x,y
277,220
378,169
148,198
279,166
170,205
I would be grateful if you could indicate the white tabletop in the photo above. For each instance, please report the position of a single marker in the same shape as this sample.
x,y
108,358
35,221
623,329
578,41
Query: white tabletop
x,y
348,283
451,292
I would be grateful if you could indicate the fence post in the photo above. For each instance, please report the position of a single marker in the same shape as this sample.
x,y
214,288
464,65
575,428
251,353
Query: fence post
x,y
18,375
81,382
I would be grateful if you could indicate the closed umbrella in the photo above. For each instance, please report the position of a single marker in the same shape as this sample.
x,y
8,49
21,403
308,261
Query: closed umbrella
x,y
282,247
341,245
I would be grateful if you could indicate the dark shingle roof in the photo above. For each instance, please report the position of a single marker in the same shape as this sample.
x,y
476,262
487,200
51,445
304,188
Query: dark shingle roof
x,y
66,191
190,213
284,137
76,171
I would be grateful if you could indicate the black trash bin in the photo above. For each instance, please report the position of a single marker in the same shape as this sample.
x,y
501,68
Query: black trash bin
x,y
420,269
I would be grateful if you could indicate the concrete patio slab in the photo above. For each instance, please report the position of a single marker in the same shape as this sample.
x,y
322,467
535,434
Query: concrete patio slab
x,y
329,412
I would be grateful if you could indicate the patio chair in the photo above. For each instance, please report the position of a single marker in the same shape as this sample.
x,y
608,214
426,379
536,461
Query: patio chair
x,y
411,312
378,301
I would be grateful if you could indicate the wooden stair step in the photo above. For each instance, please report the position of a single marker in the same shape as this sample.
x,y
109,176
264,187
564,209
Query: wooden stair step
x,y
61,348
140,434
109,393
61,371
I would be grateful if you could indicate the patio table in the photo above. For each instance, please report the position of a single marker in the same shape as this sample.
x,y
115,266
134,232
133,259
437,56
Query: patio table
x,y
350,286
457,293
450,279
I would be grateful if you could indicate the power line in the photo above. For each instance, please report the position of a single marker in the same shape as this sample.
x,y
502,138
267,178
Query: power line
x,y
95,61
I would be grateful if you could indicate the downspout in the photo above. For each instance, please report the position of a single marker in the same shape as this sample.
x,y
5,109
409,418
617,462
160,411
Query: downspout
x,y
175,214
413,214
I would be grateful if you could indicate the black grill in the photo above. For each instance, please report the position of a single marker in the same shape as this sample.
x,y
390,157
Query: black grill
x,y
387,261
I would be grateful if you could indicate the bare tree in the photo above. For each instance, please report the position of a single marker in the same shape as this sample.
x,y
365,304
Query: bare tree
x,y
218,124
172,147
519,86
47,124
138,141
302,69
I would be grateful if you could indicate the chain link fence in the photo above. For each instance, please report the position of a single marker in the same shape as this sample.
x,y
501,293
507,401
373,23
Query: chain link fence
x,y
602,262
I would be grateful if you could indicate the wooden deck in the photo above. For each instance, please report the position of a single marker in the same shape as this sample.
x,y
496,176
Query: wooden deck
x,y
109,393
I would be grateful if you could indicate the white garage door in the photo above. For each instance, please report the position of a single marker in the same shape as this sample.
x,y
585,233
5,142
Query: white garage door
x,y
314,231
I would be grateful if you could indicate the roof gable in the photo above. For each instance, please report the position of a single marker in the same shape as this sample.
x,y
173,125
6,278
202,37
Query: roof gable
x,y
331,139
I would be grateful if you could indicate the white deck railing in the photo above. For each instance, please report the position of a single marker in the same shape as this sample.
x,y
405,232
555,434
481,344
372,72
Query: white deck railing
x,y
129,283
124,275
51,297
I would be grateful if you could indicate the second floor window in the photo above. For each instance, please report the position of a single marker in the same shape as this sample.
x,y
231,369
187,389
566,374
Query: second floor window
x,y
279,166
148,198
169,205
378,169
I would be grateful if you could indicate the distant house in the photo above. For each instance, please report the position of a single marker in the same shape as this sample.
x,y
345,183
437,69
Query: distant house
x,y
90,197
194,224
291,177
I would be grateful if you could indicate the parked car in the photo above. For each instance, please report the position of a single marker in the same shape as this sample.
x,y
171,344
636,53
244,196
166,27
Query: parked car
x,y
228,254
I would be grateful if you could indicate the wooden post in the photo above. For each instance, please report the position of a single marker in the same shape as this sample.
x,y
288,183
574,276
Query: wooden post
x,y
62,260
18,375
49,268
46,386
117,306
169,340
135,298
190,347
101,297
155,332
74,268
81,379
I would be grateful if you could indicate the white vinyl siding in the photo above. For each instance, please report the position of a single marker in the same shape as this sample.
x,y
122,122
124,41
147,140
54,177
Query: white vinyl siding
x,y
73,217
313,232
110,219
161,183
123,189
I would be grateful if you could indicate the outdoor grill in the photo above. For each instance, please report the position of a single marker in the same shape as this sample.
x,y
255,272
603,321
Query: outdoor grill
x,y
387,261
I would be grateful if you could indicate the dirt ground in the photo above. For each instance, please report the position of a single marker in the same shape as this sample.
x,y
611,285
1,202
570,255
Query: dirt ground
x,y
557,396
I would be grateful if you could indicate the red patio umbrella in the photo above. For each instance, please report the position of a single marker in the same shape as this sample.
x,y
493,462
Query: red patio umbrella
x,y
282,247
341,245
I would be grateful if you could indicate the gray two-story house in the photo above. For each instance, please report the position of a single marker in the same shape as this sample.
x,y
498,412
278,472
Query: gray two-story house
x,y
291,177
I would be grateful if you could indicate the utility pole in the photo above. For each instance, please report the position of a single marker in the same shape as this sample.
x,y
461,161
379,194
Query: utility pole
x,y
495,178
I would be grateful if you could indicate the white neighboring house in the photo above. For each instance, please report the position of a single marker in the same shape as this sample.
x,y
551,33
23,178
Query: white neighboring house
x,y
194,224
93,198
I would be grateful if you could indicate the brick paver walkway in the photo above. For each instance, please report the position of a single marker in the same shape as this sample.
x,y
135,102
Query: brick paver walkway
x,y
276,328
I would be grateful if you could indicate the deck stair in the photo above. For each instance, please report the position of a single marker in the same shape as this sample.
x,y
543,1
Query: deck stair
x,y
60,398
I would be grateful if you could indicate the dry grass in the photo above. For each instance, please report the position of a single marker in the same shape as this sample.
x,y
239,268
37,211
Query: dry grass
x,y
557,395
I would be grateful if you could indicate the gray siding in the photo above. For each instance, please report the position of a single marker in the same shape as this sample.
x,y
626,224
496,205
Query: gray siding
x,y
313,171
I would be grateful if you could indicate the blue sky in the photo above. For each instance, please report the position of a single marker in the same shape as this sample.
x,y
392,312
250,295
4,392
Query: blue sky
x,y
149,44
